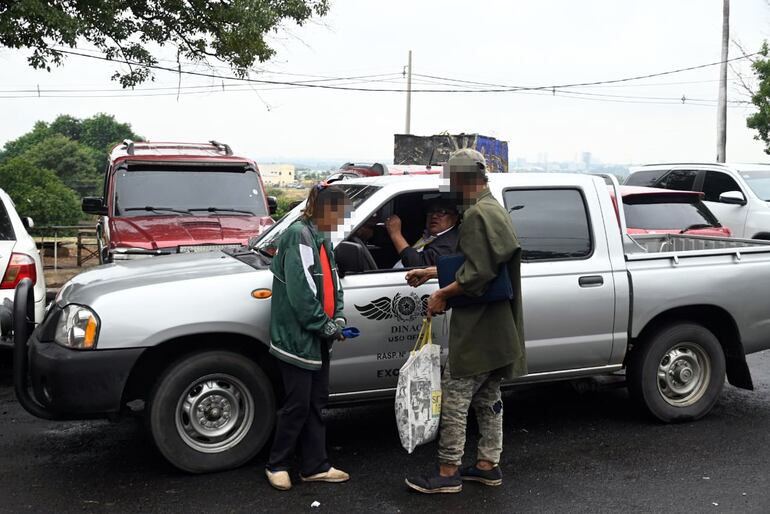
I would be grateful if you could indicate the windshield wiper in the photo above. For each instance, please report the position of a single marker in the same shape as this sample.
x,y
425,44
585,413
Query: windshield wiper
x,y
150,208
696,226
222,209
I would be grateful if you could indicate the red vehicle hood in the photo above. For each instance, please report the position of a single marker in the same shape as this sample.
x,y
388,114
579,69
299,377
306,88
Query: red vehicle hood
x,y
154,232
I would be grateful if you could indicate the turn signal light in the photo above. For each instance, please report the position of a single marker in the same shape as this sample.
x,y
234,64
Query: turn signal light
x,y
20,266
261,294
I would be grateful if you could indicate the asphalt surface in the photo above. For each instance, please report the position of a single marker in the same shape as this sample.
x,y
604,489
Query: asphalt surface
x,y
565,451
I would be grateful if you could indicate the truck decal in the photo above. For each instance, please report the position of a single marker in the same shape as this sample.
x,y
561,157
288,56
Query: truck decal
x,y
401,307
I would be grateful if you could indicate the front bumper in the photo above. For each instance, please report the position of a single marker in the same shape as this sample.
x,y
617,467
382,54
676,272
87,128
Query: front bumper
x,y
79,383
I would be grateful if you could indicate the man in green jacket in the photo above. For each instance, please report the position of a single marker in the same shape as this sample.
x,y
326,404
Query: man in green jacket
x,y
486,340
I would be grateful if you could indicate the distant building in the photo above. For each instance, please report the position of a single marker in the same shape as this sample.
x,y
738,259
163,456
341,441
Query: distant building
x,y
277,175
587,160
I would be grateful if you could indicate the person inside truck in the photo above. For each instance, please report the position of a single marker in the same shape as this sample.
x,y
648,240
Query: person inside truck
x,y
439,238
307,317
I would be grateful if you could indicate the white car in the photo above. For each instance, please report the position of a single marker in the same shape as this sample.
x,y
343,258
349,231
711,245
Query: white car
x,y
738,194
19,258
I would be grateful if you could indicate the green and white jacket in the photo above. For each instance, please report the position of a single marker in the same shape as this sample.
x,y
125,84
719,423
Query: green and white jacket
x,y
298,323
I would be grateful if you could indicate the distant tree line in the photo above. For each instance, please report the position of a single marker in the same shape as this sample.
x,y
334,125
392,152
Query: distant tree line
x,y
47,170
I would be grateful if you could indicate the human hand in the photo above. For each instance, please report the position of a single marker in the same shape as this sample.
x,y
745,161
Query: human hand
x,y
393,224
436,303
418,277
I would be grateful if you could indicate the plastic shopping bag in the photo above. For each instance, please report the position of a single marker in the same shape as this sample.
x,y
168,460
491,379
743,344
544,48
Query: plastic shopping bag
x,y
418,395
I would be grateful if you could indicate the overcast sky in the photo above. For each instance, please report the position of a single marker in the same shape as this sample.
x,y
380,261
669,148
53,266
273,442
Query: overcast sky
x,y
532,43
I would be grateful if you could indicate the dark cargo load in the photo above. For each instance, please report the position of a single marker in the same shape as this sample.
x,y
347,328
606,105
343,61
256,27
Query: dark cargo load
x,y
411,149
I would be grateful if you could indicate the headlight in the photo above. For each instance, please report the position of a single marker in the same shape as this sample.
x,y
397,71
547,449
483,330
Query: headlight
x,y
125,253
77,328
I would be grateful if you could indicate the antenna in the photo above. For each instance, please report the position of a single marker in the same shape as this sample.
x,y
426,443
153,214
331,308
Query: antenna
x,y
129,146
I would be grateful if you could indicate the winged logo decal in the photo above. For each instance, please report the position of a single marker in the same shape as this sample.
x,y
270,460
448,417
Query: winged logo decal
x,y
401,307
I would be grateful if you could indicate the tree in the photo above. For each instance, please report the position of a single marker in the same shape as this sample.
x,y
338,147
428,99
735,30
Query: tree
x,y
231,31
95,135
760,97
75,164
38,193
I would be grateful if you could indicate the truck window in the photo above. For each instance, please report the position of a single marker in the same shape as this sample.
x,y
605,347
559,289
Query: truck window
x,y
200,190
6,228
550,223
717,183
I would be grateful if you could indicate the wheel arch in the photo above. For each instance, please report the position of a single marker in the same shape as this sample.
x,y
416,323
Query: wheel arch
x,y
720,323
155,359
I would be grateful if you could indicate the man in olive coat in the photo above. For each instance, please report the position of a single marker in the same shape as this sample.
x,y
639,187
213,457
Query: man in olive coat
x,y
486,340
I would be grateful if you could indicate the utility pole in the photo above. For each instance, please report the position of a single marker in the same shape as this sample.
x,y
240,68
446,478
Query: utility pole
x,y
409,95
722,99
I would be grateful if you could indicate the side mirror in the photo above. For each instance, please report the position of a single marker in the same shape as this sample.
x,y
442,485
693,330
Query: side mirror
x,y
732,198
272,204
27,222
94,205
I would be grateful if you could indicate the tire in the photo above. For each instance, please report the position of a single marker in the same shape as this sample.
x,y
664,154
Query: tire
x,y
235,403
677,373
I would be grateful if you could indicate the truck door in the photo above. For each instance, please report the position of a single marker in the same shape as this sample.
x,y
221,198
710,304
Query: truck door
x,y
567,281
380,303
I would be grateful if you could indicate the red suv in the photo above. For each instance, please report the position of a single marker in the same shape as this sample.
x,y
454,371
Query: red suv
x,y
662,211
162,198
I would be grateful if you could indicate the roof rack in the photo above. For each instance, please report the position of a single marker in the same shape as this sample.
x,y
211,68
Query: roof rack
x,y
128,145
223,147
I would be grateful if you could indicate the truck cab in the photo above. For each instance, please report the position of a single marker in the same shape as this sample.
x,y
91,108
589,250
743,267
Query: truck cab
x,y
163,198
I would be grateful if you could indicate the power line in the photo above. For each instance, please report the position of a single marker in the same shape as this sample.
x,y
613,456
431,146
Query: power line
x,y
494,89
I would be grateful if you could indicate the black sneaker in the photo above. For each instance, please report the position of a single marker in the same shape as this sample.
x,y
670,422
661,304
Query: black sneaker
x,y
473,474
436,484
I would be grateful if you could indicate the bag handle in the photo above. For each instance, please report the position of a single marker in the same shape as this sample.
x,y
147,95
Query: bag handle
x,y
425,336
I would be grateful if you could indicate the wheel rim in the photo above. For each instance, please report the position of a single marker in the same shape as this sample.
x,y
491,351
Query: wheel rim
x,y
214,413
684,373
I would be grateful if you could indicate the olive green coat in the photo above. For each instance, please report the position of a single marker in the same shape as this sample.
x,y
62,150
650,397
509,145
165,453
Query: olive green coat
x,y
488,336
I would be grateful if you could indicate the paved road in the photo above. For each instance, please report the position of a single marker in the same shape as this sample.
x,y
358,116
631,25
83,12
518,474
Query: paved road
x,y
565,452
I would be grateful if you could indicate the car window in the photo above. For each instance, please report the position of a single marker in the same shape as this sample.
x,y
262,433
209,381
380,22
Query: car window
x,y
646,178
678,180
6,228
666,212
266,244
717,183
550,223
758,181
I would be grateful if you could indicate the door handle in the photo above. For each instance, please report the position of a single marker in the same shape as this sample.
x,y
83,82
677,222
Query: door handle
x,y
591,281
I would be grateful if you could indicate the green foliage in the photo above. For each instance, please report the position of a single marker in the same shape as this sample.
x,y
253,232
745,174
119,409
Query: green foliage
x,y
38,193
74,163
76,150
760,120
232,31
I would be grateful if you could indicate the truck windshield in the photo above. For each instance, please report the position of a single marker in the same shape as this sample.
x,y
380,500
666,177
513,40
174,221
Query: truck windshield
x,y
759,182
173,190
667,212
267,243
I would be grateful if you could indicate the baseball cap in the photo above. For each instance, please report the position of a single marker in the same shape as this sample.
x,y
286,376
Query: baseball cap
x,y
465,160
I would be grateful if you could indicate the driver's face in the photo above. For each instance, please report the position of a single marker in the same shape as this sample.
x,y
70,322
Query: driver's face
x,y
439,221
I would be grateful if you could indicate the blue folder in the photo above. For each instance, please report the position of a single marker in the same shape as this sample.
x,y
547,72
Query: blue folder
x,y
499,289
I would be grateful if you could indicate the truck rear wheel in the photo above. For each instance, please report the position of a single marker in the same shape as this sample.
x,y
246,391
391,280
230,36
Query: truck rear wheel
x,y
678,372
211,411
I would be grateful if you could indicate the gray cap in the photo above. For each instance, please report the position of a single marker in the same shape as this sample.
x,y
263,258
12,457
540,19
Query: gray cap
x,y
466,159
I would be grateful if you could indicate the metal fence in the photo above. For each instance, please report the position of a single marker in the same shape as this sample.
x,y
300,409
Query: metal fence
x,y
83,236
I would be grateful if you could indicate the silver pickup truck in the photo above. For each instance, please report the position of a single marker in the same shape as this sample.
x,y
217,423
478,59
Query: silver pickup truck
x,y
183,338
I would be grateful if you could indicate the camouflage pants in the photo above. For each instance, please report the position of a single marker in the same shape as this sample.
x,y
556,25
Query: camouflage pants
x,y
482,392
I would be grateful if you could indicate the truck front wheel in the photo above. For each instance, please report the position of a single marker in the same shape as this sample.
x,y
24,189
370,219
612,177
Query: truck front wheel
x,y
211,411
677,373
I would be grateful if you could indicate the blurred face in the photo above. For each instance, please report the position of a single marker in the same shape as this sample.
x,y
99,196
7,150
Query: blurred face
x,y
439,220
467,184
331,216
